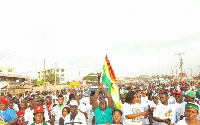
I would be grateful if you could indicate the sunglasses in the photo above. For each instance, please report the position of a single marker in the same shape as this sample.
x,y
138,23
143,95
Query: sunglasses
x,y
154,97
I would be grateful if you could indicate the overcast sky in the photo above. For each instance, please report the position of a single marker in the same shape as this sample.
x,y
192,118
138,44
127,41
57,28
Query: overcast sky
x,y
139,37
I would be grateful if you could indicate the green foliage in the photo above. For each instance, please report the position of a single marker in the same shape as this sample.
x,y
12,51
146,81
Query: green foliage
x,y
51,78
143,78
36,82
91,77
33,81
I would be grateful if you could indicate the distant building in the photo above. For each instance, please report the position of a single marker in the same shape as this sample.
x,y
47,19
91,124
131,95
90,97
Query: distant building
x,y
7,70
8,78
60,72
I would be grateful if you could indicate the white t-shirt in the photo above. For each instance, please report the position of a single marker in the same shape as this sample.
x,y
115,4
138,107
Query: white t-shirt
x,y
57,111
82,107
171,99
90,114
144,100
153,105
80,117
16,107
132,109
165,112
145,107
178,109
182,122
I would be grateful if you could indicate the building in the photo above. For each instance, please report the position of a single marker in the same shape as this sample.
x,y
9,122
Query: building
x,y
7,70
60,72
8,78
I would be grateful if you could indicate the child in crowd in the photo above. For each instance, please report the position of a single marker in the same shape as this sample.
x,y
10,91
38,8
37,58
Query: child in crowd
x,y
21,113
39,116
117,114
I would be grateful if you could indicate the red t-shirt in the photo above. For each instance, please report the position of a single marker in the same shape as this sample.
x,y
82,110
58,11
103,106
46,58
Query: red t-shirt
x,y
20,115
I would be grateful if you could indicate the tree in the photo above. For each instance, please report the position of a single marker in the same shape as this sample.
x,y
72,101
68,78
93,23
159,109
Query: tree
x,y
37,83
51,78
91,77
33,81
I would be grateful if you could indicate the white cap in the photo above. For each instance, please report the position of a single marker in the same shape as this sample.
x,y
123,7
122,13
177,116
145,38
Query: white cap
x,y
73,102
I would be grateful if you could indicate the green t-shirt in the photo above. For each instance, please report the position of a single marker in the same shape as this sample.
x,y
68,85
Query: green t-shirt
x,y
102,117
44,123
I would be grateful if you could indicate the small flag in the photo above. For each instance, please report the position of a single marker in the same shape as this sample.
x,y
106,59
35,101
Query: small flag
x,y
181,63
167,114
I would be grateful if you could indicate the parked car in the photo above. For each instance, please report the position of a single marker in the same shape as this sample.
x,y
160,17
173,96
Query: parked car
x,y
91,91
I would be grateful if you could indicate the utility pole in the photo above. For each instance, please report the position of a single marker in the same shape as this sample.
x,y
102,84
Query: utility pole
x,y
181,63
191,74
55,73
44,77
172,71
176,71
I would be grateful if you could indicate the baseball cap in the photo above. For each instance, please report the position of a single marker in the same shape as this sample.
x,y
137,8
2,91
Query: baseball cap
x,y
173,92
41,96
126,91
73,102
179,93
191,94
38,109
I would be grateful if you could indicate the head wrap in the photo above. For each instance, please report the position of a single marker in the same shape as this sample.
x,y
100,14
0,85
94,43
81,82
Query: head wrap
x,y
192,105
3,101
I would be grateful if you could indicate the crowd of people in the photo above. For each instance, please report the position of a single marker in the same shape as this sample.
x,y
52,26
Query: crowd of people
x,y
141,104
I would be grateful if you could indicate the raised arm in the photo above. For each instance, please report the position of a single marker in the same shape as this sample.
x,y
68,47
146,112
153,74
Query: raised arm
x,y
132,116
96,95
110,101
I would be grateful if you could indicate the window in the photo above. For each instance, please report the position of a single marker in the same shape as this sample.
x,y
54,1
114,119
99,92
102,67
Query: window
x,y
57,70
10,70
62,70
62,75
62,79
1,71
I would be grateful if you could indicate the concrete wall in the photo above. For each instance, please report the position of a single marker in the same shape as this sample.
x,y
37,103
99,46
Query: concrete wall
x,y
49,87
18,90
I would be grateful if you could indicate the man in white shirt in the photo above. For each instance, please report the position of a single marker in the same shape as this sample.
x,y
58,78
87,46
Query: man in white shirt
x,y
178,103
75,117
165,113
90,113
57,111
81,106
172,97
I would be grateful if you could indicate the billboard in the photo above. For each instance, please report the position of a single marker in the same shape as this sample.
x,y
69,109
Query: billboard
x,y
74,84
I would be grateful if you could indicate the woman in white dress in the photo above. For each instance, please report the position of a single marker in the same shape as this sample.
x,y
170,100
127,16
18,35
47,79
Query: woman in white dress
x,y
191,112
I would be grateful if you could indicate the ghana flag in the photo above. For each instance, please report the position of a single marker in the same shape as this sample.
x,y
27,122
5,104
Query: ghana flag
x,y
110,81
